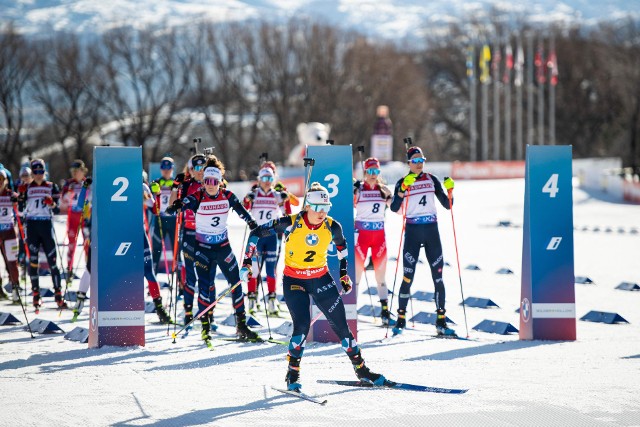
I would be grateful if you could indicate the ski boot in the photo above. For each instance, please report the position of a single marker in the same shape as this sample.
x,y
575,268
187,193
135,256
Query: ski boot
x,y
252,302
441,325
385,315
401,323
206,337
366,376
80,299
271,304
293,374
242,330
188,314
62,305
37,301
161,312
15,294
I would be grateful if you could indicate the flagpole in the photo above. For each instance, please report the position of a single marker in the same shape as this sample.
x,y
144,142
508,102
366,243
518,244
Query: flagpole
x,y
473,125
530,99
553,80
508,65
540,70
518,82
495,68
484,79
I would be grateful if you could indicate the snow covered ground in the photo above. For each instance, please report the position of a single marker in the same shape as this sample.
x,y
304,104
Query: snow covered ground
x,y
593,381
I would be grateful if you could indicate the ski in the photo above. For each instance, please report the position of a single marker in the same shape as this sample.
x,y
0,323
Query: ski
x,y
301,395
400,386
254,341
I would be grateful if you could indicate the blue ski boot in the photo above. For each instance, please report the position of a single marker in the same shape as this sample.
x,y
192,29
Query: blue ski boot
x,y
441,325
293,374
401,323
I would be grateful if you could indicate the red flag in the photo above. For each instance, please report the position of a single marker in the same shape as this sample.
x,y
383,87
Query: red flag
x,y
539,63
508,64
552,65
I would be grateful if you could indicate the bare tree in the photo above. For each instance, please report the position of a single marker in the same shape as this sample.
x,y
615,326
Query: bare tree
x,y
64,86
146,78
16,65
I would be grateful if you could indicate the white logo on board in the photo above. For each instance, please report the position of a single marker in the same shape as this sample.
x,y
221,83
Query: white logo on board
x,y
123,248
554,243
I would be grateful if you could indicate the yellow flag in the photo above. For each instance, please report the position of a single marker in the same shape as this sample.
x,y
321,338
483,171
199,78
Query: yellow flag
x,y
485,57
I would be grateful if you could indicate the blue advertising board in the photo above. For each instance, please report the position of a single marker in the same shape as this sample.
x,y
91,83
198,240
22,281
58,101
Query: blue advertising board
x,y
117,279
547,304
333,169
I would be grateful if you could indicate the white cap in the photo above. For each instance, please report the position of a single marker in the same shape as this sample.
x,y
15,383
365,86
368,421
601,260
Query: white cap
x,y
212,172
265,172
318,197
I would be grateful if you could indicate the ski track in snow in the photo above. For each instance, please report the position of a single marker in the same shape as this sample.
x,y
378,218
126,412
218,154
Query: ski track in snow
x,y
593,381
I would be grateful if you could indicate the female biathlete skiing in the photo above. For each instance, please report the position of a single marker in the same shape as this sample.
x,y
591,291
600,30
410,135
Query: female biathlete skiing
x,y
371,199
264,203
306,275
421,229
211,205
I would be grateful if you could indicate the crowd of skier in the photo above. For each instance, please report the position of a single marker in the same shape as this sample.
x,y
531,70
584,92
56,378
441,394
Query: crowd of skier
x,y
187,210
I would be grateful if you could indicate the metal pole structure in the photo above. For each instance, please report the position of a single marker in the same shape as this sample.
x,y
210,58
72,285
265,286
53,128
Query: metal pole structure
x,y
495,68
519,64
507,100
530,98
553,76
540,64
473,125
485,78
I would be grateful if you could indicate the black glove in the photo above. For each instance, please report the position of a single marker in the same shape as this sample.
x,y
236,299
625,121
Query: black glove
x,y
345,281
254,187
14,198
87,182
252,225
250,196
178,180
175,207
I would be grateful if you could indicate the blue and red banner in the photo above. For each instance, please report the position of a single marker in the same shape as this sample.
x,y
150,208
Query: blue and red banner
x,y
547,304
117,279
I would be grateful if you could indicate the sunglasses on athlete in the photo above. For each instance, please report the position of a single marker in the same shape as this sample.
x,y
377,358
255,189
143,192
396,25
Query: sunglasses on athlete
x,y
373,171
319,207
418,160
211,181
266,178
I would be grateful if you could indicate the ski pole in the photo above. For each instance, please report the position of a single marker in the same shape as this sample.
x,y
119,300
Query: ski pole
x,y
308,161
455,240
203,312
264,296
176,255
26,247
405,202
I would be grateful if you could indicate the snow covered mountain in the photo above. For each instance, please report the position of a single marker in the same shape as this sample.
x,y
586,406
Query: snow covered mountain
x,y
391,19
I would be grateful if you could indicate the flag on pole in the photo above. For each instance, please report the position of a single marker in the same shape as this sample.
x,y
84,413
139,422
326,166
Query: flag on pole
x,y
539,63
552,65
495,63
470,55
485,57
508,63
519,66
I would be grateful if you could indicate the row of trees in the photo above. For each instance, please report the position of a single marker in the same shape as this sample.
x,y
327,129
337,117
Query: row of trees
x,y
243,88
